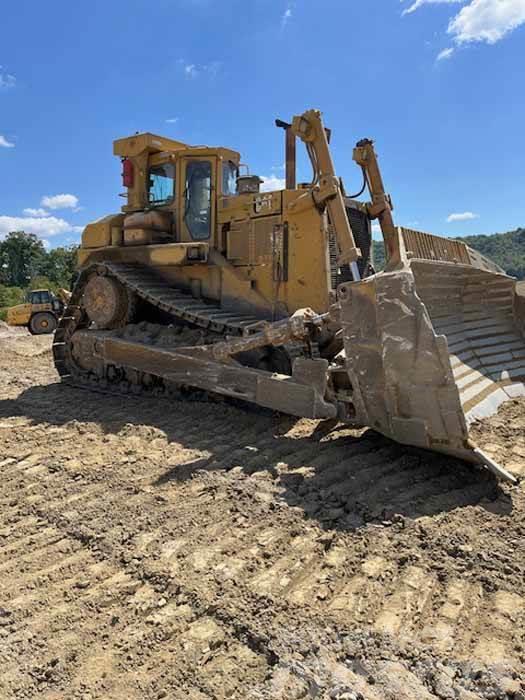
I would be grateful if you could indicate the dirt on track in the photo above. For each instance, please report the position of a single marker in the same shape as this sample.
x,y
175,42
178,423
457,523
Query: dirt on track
x,y
201,550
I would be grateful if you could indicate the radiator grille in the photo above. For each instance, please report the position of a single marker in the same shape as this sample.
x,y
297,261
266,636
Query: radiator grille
x,y
360,225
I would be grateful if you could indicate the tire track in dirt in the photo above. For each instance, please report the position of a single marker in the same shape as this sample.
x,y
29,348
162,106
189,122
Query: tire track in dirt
x,y
195,551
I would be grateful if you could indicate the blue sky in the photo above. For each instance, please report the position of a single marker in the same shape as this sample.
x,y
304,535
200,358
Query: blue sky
x,y
439,85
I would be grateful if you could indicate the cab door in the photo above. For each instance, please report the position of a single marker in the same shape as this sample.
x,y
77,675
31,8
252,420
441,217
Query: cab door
x,y
198,199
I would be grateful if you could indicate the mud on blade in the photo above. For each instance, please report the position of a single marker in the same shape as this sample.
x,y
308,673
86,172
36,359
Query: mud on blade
x,y
434,345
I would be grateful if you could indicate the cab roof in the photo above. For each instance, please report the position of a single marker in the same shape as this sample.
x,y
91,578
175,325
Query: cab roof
x,y
131,146
138,143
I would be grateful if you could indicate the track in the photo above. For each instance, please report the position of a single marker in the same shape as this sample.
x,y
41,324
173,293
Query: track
x,y
197,319
211,552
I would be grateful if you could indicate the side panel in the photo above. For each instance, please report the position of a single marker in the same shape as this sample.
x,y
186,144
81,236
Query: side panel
x,y
19,315
308,256
277,242
104,232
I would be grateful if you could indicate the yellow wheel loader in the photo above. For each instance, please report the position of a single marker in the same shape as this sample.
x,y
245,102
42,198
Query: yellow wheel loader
x,y
203,281
40,311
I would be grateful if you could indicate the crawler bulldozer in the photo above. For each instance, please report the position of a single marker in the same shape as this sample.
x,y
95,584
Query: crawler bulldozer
x,y
205,282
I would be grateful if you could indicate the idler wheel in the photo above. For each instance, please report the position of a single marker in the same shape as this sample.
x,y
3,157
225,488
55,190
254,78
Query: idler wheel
x,y
107,302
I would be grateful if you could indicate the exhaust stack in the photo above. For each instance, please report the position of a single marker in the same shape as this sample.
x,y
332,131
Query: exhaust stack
x,y
290,154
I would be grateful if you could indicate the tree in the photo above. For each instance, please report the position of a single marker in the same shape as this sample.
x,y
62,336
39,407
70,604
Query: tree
x,y
21,258
10,296
42,282
59,265
379,255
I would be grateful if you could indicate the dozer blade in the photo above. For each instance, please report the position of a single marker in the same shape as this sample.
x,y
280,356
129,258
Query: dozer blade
x,y
434,345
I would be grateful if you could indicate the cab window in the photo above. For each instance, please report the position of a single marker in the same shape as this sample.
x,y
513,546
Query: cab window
x,y
230,173
161,183
197,196
39,298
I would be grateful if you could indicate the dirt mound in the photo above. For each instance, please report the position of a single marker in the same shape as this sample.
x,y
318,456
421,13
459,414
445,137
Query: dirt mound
x,y
197,550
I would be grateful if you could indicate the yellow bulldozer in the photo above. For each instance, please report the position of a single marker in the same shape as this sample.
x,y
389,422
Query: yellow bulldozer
x,y
40,311
204,281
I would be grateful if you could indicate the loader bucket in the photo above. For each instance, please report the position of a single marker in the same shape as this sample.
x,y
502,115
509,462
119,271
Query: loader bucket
x,y
434,345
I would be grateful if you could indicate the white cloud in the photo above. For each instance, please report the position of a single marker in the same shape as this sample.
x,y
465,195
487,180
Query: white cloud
x,y
172,120
487,20
462,216
212,68
419,3
286,17
35,212
4,143
60,201
272,183
47,244
479,20
6,80
191,70
446,53
41,226
194,70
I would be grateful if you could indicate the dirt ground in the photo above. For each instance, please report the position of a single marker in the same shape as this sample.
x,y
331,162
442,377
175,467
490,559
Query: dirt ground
x,y
191,550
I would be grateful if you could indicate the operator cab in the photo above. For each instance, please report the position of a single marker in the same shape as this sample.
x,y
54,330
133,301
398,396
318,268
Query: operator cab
x,y
38,297
172,189
172,195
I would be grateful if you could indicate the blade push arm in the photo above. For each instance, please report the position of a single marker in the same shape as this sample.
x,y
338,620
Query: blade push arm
x,y
381,205
327,191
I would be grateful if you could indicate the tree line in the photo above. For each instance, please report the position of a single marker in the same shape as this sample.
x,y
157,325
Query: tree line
x,y
26,264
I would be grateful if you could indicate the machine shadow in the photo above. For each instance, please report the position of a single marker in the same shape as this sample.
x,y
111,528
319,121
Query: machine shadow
x,y
341,481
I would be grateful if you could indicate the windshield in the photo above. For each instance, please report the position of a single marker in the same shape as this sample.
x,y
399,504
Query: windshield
x,y
230,173
40,297
161,183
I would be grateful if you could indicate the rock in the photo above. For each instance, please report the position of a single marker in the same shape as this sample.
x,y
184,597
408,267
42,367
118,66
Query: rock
x,y
345,693
519,450
510,686
443,685
466,695
326,539
85,583
333,514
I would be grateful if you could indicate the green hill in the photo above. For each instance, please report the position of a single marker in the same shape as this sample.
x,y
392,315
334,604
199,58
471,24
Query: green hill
x,y
506,249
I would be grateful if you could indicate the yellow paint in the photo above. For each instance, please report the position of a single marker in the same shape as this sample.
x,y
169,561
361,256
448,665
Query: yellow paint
x,y
21,314
267,252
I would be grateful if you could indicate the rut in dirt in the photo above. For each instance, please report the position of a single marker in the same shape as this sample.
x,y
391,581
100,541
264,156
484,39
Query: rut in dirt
x,y
212,552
